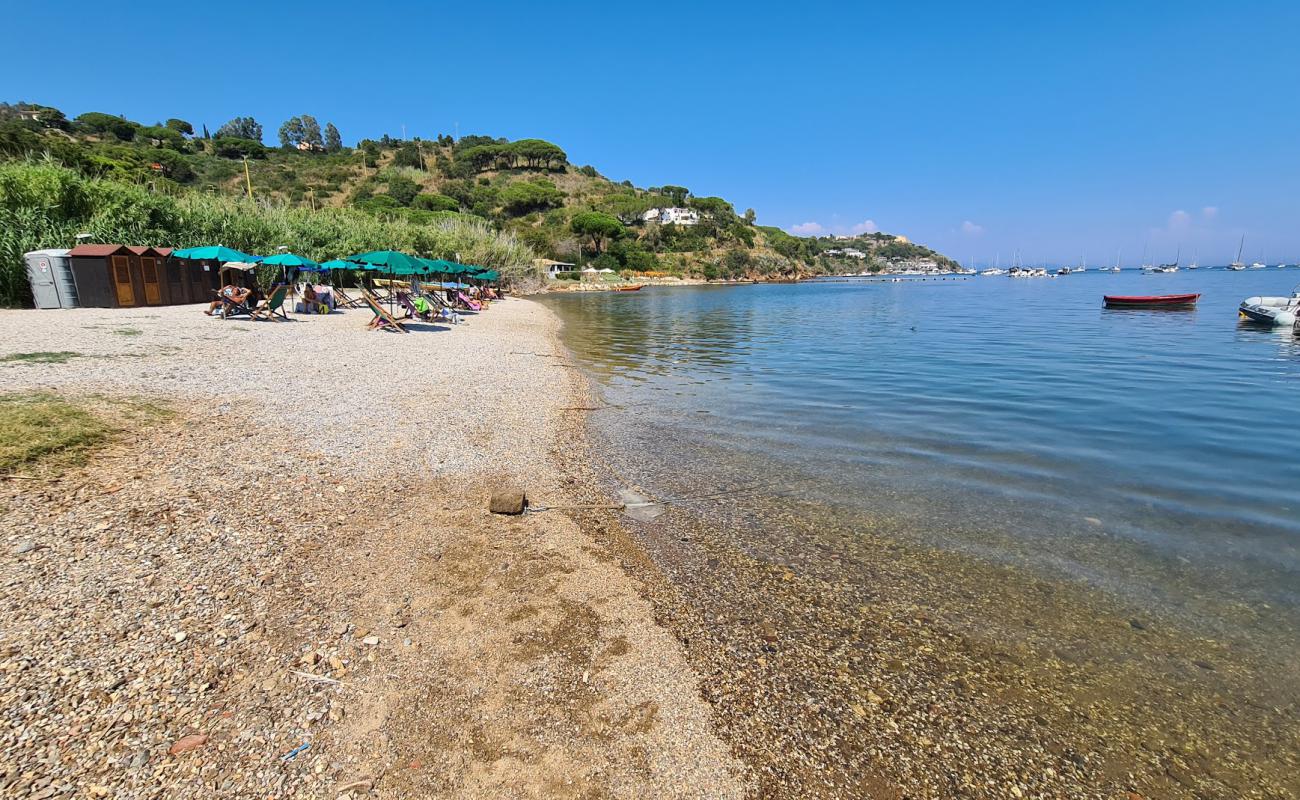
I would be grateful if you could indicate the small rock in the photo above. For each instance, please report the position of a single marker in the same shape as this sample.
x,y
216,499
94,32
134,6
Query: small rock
x,y
509,501
1137,624
1204,665
767,631
187,743
370,640
25,547
179,636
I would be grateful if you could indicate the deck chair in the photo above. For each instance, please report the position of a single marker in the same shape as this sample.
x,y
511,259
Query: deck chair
x,y
230,308
382,319
341,300
445,309
273,306
469,302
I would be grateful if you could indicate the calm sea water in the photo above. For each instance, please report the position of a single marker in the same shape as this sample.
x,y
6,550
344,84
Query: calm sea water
x,y
1153,454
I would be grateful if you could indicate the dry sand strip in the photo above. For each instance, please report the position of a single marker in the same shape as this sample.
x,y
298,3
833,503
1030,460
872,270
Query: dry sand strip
x,y
292,587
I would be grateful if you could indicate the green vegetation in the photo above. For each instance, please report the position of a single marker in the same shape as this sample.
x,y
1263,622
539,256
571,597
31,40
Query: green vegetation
x,y
510,200
49,432
40,357
39,427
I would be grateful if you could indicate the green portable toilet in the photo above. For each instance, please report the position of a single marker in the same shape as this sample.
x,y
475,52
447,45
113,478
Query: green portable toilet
x,y
50,274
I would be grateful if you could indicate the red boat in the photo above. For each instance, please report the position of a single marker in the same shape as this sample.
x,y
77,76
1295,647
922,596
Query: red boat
x,y
1151,300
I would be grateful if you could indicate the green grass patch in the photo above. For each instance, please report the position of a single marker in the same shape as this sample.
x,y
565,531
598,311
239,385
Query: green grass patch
x,y
42,428
45,432
41,357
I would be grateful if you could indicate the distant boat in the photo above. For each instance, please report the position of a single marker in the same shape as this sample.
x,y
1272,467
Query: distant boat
x,y
994,272
1151,300
635,288
1257,265
1170,267
1194,265
1237,266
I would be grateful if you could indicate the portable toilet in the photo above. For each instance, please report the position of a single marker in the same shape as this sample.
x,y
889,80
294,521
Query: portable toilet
x,y
50,274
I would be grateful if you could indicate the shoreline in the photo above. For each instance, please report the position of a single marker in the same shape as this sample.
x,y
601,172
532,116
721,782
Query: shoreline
x,y
329,559
845,659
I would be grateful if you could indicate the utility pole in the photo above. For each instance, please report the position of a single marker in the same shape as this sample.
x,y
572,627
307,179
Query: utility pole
x,y
248,179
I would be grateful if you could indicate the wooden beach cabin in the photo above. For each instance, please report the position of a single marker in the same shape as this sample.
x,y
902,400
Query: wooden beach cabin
x,y
104,276
130,276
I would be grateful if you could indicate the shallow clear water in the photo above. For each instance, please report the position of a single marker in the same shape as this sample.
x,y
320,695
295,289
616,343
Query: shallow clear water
x,y
1154,454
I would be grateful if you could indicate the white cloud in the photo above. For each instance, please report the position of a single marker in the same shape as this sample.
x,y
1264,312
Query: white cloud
x,y
971,229
1179,220
1210,212
807,229
865,226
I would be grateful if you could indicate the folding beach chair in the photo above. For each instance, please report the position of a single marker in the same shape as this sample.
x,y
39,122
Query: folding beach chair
x,y
231,307
469,302
382,319
341,300
445,309
273,306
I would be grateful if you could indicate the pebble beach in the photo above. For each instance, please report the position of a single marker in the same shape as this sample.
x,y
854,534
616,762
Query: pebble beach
x,y
280,577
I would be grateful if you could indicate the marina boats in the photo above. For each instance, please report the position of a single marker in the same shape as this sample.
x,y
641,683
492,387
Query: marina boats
x,y
1027,272
1276,311
1257,265
994,272
1151,300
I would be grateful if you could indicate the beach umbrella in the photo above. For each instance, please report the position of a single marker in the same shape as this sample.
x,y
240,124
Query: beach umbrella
x,y
488,275
390,261
292,260
213,253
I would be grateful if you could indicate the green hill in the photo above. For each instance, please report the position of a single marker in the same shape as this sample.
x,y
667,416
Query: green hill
x,y
526,190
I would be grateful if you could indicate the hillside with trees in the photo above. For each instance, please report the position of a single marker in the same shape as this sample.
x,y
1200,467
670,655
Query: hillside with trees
x,y
527,189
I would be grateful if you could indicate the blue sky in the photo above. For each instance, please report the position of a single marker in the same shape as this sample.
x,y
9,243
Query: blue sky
x,y
1059,130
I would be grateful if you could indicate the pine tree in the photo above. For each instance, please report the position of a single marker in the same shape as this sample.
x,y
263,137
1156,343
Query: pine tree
x,y
333,141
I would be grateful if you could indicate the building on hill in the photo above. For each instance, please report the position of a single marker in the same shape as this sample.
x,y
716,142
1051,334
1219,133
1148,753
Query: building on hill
x,y
311,147
551,267
672,216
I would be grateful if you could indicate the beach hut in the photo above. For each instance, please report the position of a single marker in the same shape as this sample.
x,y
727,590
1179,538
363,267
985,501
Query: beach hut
x,y
50,274
146,265
104,277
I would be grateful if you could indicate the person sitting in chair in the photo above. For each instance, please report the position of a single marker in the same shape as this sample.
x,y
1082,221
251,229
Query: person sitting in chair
x,y
229,294
309,298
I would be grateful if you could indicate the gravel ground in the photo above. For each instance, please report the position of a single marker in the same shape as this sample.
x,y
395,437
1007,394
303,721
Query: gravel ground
x,y
290,587
378,401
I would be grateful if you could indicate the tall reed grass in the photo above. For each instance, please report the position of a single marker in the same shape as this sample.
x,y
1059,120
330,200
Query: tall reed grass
x,y
45,205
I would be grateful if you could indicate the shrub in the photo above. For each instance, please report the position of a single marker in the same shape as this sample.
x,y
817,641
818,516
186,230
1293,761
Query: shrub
x,y
435,202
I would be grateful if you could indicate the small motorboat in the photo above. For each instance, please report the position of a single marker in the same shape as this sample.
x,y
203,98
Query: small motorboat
x,y
1278,311
638,287
1151,300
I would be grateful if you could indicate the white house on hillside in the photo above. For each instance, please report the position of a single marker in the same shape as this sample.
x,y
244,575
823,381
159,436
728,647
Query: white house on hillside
x,y
672,216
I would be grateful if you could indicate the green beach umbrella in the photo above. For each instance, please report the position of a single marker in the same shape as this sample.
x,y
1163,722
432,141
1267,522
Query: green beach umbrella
x,y
390,261
291,260
339,263
213,252
487,275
